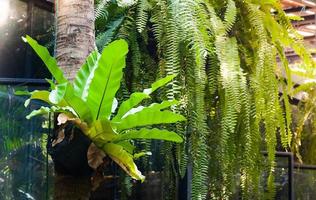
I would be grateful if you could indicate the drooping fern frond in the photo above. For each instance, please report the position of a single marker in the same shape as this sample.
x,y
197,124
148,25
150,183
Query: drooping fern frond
x,y
100,11
228,55
195,35
106,37
230,15
142,15
265,88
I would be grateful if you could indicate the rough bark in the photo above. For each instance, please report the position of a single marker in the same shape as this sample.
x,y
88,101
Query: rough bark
x,y
75,34
75,40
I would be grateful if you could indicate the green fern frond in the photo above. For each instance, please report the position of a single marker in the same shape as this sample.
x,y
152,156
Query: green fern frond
x,y
142,15
224,53
230,15
107,36
100,11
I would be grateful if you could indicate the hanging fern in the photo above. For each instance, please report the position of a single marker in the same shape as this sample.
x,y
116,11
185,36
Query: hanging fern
x,y
224,55
106,37
142,15
100,11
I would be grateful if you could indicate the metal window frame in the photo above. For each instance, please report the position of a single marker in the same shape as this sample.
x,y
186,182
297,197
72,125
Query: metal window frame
x,y
23,81
44,4
303,166
290,166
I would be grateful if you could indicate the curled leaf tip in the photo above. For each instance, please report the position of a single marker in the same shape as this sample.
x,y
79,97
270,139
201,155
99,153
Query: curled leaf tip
x,y
142,179
24,39
27,103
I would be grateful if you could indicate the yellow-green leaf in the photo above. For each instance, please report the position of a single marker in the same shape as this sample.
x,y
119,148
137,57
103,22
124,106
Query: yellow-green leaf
x,y
123,159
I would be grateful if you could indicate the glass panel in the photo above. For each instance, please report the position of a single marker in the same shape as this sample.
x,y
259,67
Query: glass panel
x,y
13,25
42,29
23,159
282,178
305,184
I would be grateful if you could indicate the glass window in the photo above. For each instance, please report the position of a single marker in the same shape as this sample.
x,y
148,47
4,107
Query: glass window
x,y
23,157
17,19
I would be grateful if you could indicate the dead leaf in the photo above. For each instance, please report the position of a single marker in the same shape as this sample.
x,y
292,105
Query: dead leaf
x,y
95,156
62,119
96,180
60,138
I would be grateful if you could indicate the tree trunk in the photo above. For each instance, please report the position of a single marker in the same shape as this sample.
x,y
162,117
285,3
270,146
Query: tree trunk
x,y
75,34
75,41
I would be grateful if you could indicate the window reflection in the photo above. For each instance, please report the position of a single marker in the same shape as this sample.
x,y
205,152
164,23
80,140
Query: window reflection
x,y
4,11
23,157
12,52
18,18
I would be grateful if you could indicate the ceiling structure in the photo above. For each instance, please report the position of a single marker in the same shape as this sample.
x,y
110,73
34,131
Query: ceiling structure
x,y
306,9
306,27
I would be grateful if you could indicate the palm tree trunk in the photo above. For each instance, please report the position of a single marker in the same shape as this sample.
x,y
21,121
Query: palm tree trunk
x,y
75,40
75,34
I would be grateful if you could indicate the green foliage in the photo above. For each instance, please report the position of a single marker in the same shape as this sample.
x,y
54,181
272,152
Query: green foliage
x,y
100,11
90,103
303,143
106,79
148,116
224,53
49,61
150,134
85,75
105,38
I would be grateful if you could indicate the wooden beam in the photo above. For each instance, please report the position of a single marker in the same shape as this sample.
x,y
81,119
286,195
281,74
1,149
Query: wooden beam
x,y
293,3
298,3
308,20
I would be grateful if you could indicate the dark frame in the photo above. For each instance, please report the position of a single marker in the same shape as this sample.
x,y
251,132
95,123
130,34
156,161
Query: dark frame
x,y
302,166
44,4
23,81
290,167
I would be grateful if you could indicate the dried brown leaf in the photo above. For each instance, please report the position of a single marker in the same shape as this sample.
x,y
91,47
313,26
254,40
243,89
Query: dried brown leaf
x,y
95,156
60,138
62,119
